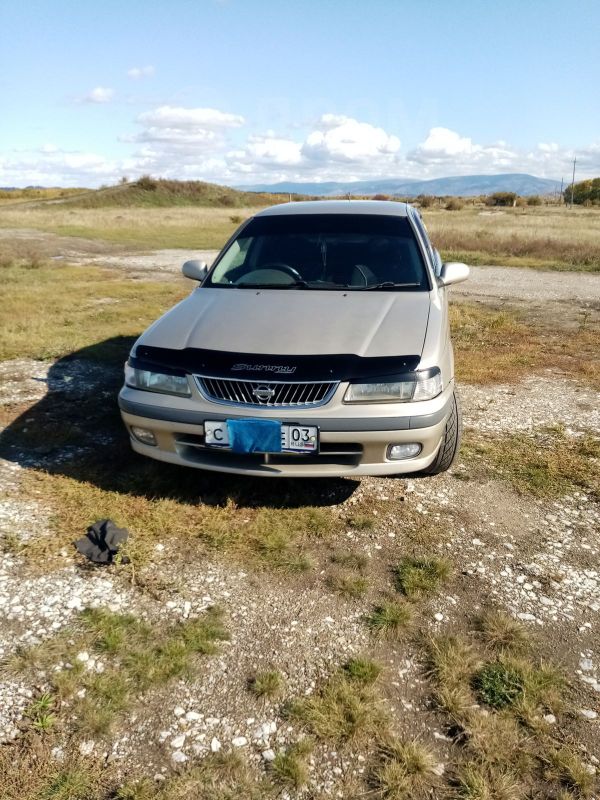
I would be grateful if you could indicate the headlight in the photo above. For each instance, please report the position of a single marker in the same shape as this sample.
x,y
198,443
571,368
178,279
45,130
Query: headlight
x,y
156,381
420,388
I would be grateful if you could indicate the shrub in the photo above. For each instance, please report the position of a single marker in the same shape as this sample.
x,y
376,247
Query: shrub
x,y
147,183
501,199
454,204
381,197
584,192
425,200
534,200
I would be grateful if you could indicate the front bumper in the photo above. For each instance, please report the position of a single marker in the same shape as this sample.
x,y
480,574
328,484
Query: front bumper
x,y
354,438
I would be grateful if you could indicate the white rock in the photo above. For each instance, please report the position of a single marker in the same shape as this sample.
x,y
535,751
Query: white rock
x,y
179,711
439,769
239,741
178,742
439,616
215,745
178,757
193,716
588,713
586,664
83,656
86,748
268,755
550,719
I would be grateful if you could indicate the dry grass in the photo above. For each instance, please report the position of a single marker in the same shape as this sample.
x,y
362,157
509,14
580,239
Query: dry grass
x,y
404,771
546,237
545,464
50,310
266,684
502,632
495,346
343,709
141,228
390,619
419,577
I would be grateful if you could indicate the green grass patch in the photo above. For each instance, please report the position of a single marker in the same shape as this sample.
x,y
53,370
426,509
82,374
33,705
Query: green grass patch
x,y
362,670
289,768
267,684
389,619
420,577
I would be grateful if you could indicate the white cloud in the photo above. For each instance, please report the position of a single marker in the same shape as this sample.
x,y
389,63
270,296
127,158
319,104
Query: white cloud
x,y
141,72
340,138
101,94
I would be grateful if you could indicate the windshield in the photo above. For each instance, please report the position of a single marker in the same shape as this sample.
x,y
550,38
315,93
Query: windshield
x,y
323,251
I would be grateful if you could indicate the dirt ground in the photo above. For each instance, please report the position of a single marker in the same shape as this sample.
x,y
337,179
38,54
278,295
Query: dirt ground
x,y
532,556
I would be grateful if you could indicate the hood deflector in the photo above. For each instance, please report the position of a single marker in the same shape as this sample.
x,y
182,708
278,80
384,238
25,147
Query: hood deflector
x,y
263,367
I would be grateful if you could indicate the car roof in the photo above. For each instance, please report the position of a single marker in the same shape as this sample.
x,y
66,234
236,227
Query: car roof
x,y
380,207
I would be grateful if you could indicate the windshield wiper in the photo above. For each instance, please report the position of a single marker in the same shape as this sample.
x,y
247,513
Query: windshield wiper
x,y
293,285
386,285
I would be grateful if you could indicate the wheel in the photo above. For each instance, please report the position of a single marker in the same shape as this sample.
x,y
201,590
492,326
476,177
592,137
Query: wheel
x,y
450,441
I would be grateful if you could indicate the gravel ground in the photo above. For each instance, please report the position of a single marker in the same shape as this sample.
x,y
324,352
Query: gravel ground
x,y
538,559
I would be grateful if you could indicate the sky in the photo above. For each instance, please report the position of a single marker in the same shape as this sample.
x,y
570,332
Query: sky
x,y
259,91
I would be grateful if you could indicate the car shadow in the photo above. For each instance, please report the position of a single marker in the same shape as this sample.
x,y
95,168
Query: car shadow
x,y
75,430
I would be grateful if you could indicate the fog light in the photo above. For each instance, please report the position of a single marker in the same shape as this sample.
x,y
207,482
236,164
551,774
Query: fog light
x,y
143,435
396,452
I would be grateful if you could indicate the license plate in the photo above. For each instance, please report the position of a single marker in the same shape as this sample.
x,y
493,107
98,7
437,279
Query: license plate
x,y
294,438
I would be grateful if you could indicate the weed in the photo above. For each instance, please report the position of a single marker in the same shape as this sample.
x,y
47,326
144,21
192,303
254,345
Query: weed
x,y
348,585
266,684
416,577
568,768
499,684
343,709
289,769
362,670
405,771
69,784
389,618
502,632
350,560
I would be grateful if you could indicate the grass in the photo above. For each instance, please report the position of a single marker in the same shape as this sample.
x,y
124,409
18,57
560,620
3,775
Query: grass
x,y
349,585
389,619
135,655
420,577
568,768
502,633
494,345
343,709
52,310
266,684
541,237
404,771
289,768
362,670
542,464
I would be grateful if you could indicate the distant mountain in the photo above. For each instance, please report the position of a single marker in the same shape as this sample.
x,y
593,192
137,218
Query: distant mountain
x,y
461,185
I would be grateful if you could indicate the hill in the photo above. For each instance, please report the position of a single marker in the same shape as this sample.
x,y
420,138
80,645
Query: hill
x,y
151,192
461,185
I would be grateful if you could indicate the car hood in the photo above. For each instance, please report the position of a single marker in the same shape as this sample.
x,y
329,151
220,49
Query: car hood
x,y
295,322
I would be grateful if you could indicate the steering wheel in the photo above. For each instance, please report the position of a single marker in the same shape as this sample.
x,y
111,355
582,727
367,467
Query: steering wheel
x,y
279,265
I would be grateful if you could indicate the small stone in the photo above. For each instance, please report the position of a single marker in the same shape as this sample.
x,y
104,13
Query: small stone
x,y
239,741
179,711
178,757
83,656
86,748
586,664
268,755
193,716
550,719
588,713
439,769
178,742
477,542
215,745
439,617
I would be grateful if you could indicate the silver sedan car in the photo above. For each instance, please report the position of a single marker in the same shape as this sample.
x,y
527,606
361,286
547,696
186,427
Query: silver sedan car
x,y
317,344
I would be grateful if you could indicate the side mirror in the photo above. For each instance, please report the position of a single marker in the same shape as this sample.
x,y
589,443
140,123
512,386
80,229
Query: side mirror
x,y
196,270
453,272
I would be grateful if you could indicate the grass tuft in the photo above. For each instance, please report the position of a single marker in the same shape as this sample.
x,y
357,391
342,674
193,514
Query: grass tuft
x,y
266,684
348,585
501,632
405,771
568,768
289,768
389,619
362,670
418,577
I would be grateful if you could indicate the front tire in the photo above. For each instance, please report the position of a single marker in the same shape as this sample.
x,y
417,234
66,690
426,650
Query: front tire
x,y
450,445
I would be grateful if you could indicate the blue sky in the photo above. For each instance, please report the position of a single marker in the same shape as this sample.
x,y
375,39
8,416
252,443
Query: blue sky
x,y
244,91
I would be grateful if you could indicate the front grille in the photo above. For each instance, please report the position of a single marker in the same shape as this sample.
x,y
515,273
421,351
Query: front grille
x,y
266,394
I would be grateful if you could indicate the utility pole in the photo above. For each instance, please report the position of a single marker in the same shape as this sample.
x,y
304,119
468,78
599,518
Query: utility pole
x,y
560,196
573,181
